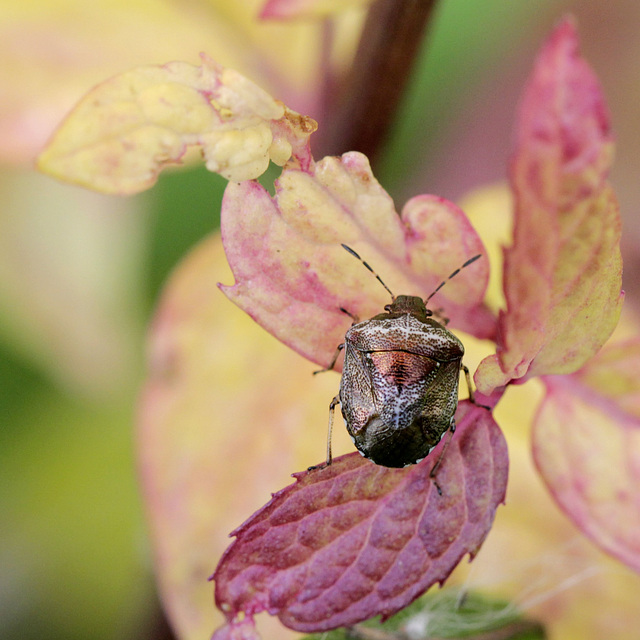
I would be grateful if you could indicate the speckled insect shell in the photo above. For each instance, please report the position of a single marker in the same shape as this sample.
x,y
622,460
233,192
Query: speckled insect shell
x,y
399,387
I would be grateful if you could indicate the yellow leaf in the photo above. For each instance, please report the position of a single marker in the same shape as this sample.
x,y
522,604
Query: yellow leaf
x,y
127,129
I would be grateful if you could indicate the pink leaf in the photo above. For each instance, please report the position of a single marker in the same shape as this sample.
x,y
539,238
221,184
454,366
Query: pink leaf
x,y
355,540
239,630
293,277
563,273
587,448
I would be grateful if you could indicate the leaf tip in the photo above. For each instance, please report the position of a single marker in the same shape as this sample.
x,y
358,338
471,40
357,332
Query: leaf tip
x,y
241,628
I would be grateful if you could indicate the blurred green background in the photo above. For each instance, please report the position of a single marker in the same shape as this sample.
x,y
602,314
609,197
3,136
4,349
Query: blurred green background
x,y
80,274
74,555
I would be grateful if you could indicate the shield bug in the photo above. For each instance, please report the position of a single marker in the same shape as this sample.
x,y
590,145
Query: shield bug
x,y
399,386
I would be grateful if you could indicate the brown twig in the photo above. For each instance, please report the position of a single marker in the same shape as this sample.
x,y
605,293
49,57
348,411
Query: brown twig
x,y
360,117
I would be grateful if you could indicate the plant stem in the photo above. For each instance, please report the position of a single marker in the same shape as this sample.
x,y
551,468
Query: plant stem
x,y
360,116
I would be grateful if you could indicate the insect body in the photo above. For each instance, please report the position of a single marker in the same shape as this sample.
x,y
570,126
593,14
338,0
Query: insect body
x,y
399,386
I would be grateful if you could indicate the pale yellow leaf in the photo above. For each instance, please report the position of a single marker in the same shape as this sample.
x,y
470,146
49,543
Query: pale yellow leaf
x,y
127,129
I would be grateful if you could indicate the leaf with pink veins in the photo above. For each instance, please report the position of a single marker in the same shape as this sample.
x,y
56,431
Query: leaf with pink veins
x,y
355,540
293,277
586,445
563,274
125,130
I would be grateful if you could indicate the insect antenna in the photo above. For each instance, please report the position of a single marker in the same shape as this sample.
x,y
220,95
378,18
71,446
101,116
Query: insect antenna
x,y
452,275
366,264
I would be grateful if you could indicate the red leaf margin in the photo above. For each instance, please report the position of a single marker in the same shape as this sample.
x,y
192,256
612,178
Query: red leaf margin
x,y
563,273
355,540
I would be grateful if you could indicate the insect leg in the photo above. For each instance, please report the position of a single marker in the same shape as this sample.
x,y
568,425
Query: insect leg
x,y
472,398
467,376
333,362
332,411
440,317
340,346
